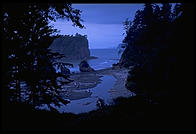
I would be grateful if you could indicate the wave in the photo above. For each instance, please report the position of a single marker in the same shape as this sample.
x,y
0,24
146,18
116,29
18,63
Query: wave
x,y
105,62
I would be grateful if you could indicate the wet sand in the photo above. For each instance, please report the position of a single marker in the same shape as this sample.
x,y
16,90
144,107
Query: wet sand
x,y
85,81
119,89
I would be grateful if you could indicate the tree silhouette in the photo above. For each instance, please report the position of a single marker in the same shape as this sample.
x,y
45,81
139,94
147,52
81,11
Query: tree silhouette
x,y
26,36
155,47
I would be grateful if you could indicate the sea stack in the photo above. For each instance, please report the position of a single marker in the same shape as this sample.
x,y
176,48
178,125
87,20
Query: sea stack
x,y
84,67
73,47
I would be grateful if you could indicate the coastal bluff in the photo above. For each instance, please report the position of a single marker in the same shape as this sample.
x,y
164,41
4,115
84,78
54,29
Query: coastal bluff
x,y
73,47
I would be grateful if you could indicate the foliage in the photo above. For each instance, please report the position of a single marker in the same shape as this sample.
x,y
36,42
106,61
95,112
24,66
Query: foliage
x,y
130,114
26,36
156,40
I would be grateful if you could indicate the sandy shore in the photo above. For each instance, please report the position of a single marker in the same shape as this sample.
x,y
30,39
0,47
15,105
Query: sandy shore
x,y
119,89
84,81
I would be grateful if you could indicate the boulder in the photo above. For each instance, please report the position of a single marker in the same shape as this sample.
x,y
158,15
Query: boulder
x,y
65,70
84,67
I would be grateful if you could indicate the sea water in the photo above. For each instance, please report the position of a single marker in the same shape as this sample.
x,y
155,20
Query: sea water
x,y
101,91
105,59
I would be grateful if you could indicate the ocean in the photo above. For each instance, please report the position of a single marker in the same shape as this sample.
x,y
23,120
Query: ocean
x,y
105,59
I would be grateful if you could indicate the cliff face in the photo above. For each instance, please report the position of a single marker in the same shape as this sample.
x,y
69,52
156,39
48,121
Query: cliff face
x,y
132,55
121,47
73,47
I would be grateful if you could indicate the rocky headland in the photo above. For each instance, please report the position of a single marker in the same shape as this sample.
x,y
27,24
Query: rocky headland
x,y
73,47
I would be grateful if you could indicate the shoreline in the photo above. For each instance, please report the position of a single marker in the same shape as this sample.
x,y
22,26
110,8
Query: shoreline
x,y
119,89
85,81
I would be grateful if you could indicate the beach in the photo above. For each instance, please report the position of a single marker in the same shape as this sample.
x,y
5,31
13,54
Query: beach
x,y
83,82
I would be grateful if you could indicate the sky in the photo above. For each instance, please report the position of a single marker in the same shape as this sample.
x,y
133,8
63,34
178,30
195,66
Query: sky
x,y
103,23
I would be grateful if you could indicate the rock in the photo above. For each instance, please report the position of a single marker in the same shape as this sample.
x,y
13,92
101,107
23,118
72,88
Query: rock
x,y
121,47
84,67
65,70
73,47
60,67
115,66
100,103
92,57
63,80
131,56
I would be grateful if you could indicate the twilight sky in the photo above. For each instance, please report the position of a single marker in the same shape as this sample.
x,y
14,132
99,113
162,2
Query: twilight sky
x,y
103,22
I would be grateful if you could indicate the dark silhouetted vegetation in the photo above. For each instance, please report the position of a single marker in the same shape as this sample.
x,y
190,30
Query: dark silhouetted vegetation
x,y
160,49
28,73
128,114
156,48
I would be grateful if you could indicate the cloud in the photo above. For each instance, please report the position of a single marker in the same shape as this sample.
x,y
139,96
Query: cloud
x,y
99,35
107,13
103,23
